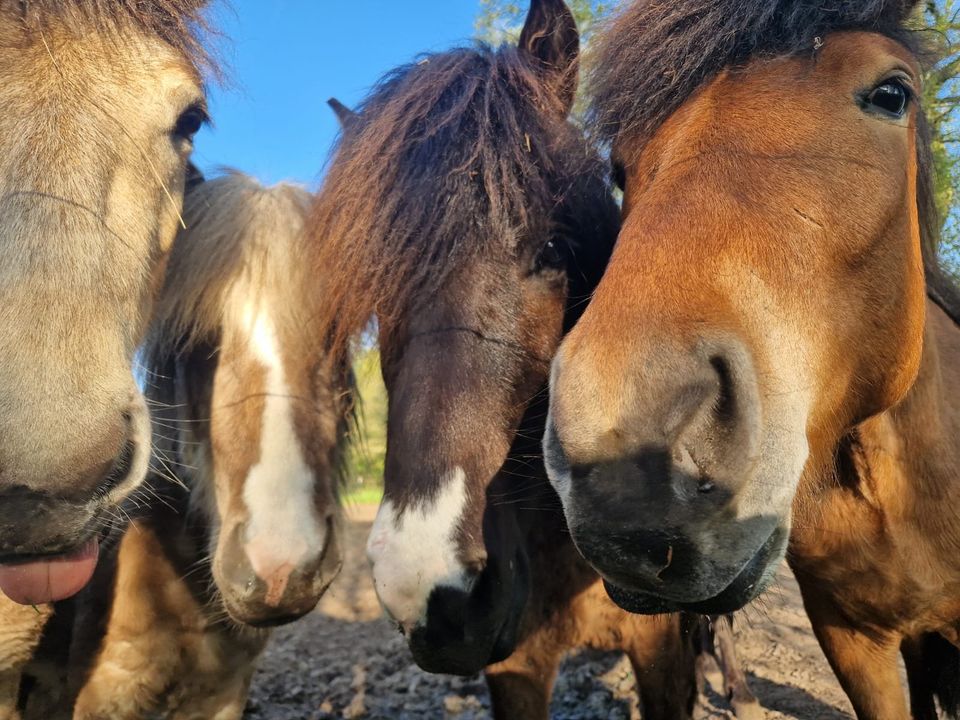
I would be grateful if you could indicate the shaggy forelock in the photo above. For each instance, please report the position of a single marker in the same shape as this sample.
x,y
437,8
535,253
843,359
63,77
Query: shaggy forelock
x,y
655,54
451,156
182,24
238,234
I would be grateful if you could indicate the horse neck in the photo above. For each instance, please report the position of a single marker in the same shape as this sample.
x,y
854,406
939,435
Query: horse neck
x,y
909,460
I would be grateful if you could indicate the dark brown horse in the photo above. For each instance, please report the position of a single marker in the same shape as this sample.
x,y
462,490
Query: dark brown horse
x,y
773,353
467,215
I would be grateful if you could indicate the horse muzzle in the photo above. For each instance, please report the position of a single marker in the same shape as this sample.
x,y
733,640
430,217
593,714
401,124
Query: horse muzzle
x,y
267,592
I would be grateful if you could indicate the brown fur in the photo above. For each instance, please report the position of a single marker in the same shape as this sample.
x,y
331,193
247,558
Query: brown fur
x,y
19,636
512,156
764,205
445,190
571,610
156,633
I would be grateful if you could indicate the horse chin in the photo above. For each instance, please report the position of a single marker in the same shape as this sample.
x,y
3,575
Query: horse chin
x,y
746,587
464,633
261,615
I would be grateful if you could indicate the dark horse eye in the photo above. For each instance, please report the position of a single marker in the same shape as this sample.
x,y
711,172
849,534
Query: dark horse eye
x,y
889,97
550,258
190,122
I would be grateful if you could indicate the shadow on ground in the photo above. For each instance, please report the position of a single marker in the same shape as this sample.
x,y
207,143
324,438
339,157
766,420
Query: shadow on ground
x,y
347,661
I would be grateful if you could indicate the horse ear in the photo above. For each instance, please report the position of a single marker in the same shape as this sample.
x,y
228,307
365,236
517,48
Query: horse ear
x,y
347,117
551,39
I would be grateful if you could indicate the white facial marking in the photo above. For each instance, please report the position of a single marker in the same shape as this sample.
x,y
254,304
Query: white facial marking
x,y
414,552
284,527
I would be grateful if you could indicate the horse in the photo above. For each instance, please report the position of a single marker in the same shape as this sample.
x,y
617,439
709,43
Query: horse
x,y
768,366
465,213
251,420
101,101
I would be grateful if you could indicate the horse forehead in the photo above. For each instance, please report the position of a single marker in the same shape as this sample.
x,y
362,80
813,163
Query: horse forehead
x,y
100,86
851,50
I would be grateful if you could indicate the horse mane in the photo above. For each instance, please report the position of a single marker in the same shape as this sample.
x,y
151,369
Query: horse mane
x,y
179,23
241,240
450,154
655,54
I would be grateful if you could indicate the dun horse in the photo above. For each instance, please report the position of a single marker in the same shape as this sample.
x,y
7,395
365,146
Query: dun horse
x,y
100,102
773,353
467,214
251,414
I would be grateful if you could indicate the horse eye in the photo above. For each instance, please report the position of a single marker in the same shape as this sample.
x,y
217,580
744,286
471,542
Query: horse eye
x,y
190,122
890,97
550,258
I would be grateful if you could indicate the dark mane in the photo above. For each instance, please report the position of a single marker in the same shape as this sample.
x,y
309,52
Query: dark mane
x,y
655,54
450,154
179,23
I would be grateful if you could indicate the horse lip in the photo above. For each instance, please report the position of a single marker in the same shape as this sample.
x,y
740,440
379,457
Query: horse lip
x,y
94,528
746,587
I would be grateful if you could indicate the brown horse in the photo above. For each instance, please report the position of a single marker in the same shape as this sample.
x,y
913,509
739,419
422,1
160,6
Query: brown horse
x,y
251,414
100,101
773,352
466,213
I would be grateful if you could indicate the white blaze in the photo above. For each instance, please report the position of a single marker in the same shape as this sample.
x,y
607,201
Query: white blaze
x,y
416,551
284,528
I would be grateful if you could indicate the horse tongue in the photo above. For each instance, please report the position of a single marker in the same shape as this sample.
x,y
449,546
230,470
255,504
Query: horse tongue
x,y
51,579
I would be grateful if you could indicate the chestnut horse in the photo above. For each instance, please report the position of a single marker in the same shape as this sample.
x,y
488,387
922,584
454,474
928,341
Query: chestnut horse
x,y
473,220
773,354
251,415
99,102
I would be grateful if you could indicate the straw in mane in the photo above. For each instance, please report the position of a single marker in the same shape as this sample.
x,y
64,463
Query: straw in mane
x,y
655,54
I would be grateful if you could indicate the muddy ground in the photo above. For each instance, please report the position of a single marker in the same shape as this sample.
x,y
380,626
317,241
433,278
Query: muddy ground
x,y
347,661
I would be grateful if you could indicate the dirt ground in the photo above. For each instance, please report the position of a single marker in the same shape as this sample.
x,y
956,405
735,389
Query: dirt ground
x,y
347,661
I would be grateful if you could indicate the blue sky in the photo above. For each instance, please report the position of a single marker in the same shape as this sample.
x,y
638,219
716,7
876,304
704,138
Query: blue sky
x,y
286,57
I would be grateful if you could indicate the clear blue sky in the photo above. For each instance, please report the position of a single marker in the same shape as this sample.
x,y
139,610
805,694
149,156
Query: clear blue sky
x,y
286,57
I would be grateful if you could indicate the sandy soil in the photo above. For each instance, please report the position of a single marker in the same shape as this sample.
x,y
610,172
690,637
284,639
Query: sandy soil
x,y
347,661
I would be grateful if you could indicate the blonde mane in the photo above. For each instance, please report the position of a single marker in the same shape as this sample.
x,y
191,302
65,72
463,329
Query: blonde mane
x,y
182,24
243,243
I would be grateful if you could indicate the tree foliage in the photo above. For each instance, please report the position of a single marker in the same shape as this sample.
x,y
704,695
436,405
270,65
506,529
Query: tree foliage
x,y
500,21
941,98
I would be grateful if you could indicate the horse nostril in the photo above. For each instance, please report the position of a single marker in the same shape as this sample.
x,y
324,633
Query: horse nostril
x,y
725,407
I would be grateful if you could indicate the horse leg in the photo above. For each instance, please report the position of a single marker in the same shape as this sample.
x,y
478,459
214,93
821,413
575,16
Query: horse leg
x,y
865,665
922,706
521,685
21,630
745,705
662,656
708,664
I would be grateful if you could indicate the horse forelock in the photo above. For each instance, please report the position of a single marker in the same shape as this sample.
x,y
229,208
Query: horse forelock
x,y
451,157
243,258
243,245
182,24
655,54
